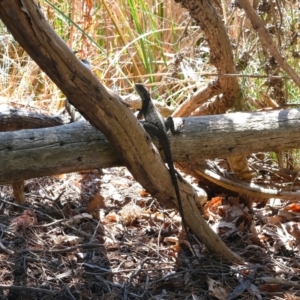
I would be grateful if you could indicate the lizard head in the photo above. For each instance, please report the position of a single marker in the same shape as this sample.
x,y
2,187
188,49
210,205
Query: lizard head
x,y
142,91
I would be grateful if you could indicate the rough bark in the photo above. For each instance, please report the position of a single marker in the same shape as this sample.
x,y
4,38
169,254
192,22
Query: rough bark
x,y
78,146
267,41
221,56
13,119
104,110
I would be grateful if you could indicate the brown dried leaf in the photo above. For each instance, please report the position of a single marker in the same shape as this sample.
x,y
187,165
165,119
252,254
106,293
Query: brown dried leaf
x,y
271,288
111,217
212,206
217,289
130,212
27,219
144,193
95,203
295,207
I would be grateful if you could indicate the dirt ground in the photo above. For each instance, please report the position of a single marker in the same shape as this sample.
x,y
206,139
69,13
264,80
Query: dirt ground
x,y
101,236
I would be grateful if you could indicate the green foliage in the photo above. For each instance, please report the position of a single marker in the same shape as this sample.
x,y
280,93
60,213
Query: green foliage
x,y
154,42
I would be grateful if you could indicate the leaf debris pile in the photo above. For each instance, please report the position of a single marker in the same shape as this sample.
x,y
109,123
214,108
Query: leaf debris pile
x,y
87,236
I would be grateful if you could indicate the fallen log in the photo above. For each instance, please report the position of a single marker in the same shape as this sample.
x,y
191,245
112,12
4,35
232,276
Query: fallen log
x,y
13,119
78,146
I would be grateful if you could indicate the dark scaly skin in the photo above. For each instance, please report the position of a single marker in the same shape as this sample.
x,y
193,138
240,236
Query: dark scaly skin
x,y
156,123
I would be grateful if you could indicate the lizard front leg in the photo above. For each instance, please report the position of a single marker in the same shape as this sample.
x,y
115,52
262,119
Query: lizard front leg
x,y
169,123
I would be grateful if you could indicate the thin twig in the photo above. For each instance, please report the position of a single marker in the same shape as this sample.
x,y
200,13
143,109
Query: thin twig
x,y
67,249
27,289
134,274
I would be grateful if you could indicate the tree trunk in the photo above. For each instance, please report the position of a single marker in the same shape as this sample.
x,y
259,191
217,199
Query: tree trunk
x,y
227,88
